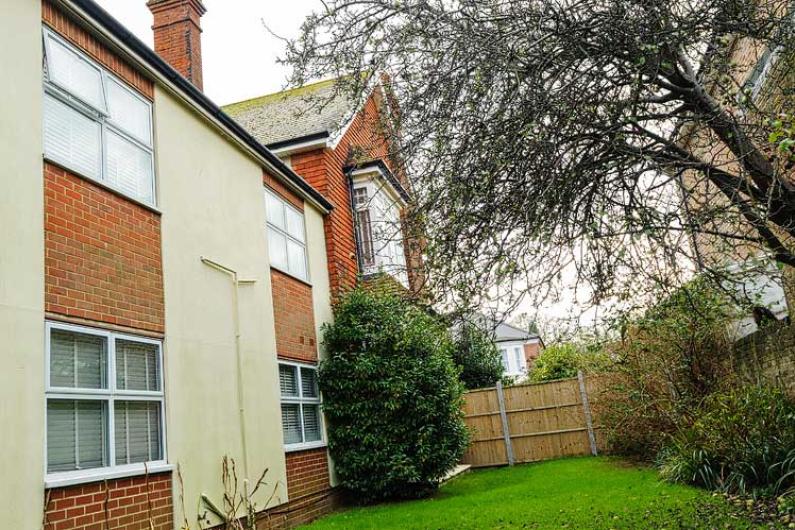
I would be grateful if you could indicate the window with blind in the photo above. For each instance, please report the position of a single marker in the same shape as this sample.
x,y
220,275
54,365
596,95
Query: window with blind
x,y
286,236
104,401
379,234
301,419
94,124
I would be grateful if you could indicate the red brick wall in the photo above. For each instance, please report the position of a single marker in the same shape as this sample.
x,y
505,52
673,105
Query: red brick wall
x,y
294,318
307,472
308,486
177,36
282,191
98,51
120,504
531,352
102,255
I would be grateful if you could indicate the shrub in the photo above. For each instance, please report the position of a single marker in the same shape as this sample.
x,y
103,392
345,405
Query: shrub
x,y
743,441
391,396
560,361
667,362
476,356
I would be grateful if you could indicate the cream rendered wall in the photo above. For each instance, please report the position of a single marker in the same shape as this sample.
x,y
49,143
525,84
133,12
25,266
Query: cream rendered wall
x,y
21,266
211,195
321,290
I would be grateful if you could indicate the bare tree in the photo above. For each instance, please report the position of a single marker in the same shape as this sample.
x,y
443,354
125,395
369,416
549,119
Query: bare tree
x,y
543,137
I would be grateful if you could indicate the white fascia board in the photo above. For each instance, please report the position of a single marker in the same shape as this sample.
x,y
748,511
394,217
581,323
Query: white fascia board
x,y
310,145
374,173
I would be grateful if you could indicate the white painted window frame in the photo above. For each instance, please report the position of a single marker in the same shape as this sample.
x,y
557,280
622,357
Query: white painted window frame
x,y
102,117
301,401
376,186
283,232
517,367
109,395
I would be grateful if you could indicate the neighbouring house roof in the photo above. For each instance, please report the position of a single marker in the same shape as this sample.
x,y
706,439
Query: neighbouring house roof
x,y
507,333
156,64
310,111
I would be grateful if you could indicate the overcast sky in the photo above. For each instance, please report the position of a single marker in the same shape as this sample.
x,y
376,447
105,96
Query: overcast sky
x,y
239,55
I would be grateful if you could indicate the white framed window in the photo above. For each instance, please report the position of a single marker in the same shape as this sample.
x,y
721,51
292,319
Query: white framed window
x,y
302,422
105,404
379,233
518,355
286,236
505,361
94,124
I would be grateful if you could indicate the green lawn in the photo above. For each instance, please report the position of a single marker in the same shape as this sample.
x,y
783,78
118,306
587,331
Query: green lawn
x,y
578,493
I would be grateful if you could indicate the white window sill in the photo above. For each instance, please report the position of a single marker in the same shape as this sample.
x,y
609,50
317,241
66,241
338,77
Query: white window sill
x,y
70,478
292,448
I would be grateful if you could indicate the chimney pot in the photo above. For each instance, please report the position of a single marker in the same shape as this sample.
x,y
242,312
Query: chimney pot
x,y
177,30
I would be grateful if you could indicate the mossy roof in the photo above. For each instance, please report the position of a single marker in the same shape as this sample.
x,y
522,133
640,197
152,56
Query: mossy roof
x,y
292,114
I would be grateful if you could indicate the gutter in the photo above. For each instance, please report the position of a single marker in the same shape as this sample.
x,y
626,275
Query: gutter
x,y
100,21
302,143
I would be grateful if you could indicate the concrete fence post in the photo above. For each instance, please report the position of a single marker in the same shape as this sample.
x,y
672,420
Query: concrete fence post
x,y
505,428
586,408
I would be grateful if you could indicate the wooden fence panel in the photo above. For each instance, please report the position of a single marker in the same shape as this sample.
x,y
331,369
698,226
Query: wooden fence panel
x,y
545,421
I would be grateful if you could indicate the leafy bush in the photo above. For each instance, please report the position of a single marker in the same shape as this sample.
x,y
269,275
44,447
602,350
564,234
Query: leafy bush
x,y
560,361
742,441
477,357
557,361
391,396
667,362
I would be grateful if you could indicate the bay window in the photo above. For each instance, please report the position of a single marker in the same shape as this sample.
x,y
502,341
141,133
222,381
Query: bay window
x,y
301,418
104,394
286,236
379,234
94,124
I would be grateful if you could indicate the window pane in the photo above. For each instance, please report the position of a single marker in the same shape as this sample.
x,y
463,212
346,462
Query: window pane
x,y
71,138
138,432
288,380
274,207
505,362
74,73
365,236
517,352
137,366
296,256
291,423
295,224
311,423
129,112
77,360
129,168
76,435
360,198
277,247
309,383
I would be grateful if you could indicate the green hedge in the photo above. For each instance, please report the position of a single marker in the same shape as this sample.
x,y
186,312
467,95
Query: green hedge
x,y
392,398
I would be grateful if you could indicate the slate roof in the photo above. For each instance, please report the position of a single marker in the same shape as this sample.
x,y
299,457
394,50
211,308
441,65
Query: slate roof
x,y
505,332
310,110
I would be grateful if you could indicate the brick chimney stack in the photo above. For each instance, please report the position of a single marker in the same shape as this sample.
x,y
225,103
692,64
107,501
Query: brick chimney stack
x,y
177,29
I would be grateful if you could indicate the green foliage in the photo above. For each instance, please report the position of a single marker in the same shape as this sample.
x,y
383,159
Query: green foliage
x,y
668,361
477,357
560,361
742,441
391,396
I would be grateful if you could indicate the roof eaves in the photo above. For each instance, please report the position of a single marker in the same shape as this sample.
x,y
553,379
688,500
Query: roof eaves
x,y
115,28
380,166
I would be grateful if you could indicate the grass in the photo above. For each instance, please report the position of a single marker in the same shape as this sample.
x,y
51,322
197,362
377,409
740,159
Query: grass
x,y
578,493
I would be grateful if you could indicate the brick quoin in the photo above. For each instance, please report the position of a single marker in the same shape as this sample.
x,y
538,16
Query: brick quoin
x,y
119,504
102,255
79,37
